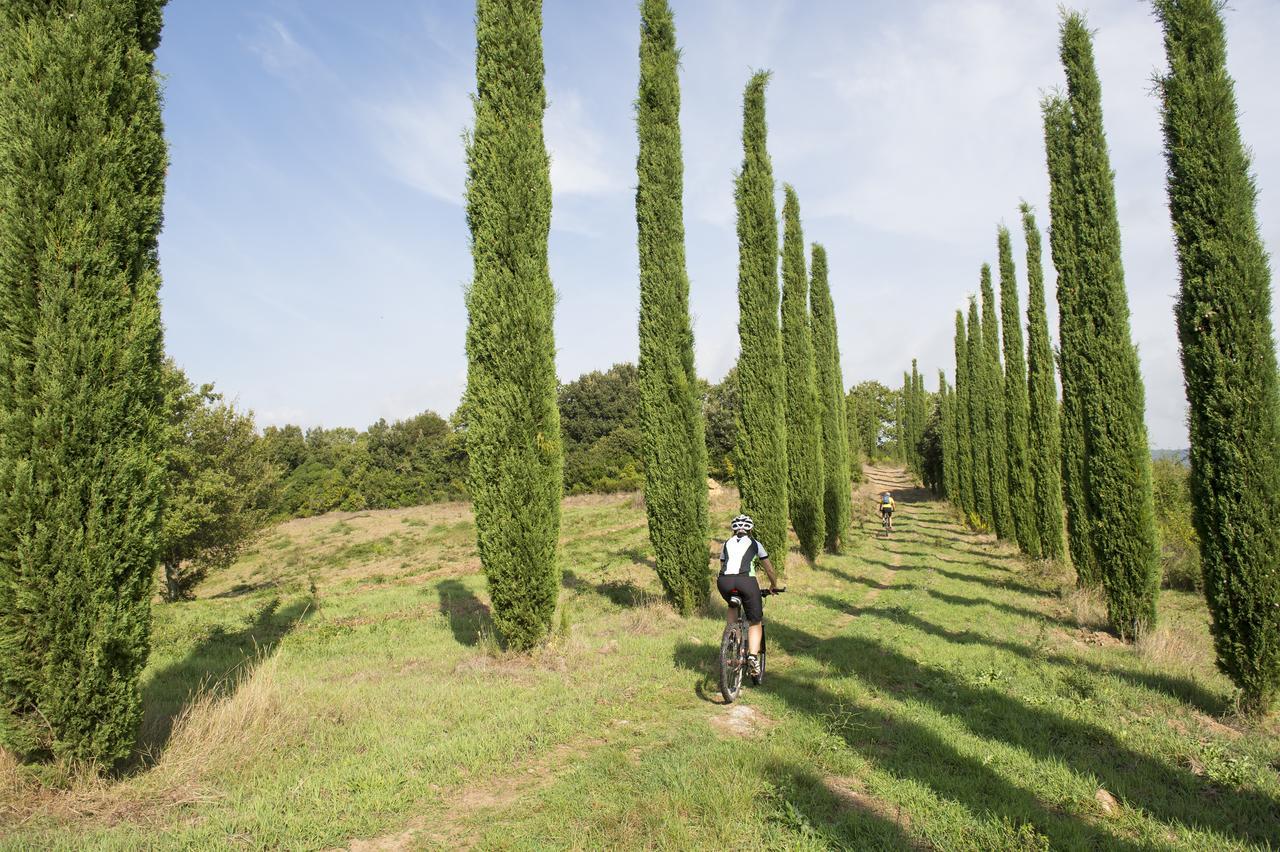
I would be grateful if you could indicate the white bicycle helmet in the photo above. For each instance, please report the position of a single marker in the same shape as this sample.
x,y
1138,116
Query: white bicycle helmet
x,y
742,523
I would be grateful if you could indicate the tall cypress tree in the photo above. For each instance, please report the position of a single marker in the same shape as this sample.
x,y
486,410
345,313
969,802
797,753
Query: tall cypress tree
x,y
836,469
804,411
675,455
1016,404
82,167
762,439
1073,337
1118,472
905,430
513,435
945,404
964,431
997,429
1046,438
1228,350
979,422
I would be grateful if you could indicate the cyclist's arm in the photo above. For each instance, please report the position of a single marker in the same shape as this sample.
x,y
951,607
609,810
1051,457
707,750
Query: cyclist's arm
x,y
768,569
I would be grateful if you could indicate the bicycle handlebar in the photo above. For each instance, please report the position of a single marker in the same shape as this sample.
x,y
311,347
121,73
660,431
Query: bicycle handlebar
x,y
764,593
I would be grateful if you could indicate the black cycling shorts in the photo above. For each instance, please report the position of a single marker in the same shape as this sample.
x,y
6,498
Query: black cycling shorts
x,y
748,589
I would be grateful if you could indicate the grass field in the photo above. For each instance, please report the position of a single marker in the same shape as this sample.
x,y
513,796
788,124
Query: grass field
x,y
339,688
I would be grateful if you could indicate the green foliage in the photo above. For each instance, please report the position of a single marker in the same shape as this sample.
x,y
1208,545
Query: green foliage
x,y
513,428
82,426
762,439
721,409
1017,405
979,421
1045,446
600,419
1228,349
946,398
804,408
1179,543
871,411
964,495
836,464
997,427
675,458
221,484
931,446
1073,337
1118,464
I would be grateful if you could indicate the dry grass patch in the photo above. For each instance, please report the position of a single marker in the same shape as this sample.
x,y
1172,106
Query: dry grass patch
x,y
1171,648
1088,608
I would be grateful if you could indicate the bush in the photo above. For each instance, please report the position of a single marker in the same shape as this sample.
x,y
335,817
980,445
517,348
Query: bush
x,y
1179,544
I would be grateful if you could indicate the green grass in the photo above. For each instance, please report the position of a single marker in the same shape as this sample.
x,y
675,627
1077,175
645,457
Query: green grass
x,y
929,689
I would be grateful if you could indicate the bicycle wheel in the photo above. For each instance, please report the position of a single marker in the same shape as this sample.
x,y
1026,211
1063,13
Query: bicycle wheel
x,y
731,663
756,680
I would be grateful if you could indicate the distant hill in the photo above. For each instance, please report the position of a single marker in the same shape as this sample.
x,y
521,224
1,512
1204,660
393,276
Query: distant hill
x,y
1177,455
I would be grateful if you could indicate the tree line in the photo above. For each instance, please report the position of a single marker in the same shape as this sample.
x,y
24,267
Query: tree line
x,y
1017,461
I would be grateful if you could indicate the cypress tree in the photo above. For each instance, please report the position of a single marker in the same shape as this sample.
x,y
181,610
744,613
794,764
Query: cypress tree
x,y
82,420
1017,405
1228,350
836,468
1073,337
905,430
804,411
948,435
1118,472
997,429
978,419
964,431
675,455
762,439
513,435
1046,439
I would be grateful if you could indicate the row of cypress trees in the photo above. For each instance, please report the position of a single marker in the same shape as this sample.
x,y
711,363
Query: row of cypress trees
x,y
1093,460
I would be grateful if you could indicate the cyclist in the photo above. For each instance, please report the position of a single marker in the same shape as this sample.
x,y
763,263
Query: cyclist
x,y
887,505
738,558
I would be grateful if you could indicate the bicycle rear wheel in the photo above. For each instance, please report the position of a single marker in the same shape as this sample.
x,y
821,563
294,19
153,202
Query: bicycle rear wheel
x,y
731,654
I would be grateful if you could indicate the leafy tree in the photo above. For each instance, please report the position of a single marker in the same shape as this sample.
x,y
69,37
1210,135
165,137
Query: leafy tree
x,y
1228,350
603,439
1118,468
947,427
1046,437
82,423
513,431
836,465
997,427
979,421
220,484
675,467
963,496
870,409
1017,405
721,408
1073,337
804,410
762,439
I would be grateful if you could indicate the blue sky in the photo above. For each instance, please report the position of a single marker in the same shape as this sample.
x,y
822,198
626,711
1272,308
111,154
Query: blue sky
x,y
315,245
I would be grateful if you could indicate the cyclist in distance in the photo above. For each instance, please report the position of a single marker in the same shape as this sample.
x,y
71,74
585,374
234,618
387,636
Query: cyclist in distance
x,y
887,505
738,559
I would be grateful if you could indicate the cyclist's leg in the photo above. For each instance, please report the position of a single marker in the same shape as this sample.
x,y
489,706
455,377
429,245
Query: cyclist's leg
x,y
753,608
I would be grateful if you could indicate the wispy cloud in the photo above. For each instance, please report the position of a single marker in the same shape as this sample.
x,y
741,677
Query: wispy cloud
x,y
582,162
420,139
278,50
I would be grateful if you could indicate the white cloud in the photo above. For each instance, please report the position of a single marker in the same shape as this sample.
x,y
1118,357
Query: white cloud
x,y
581,162
421,140
278,50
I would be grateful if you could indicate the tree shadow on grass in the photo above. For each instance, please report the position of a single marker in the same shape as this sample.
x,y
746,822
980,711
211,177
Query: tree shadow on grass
x,y
994,583
1011,609
468,616
818,809
1170,794
912,752
1180,688
623,593
703,661
213,666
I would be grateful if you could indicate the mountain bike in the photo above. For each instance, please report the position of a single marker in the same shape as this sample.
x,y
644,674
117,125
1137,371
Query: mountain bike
x,y
886,520
733,650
